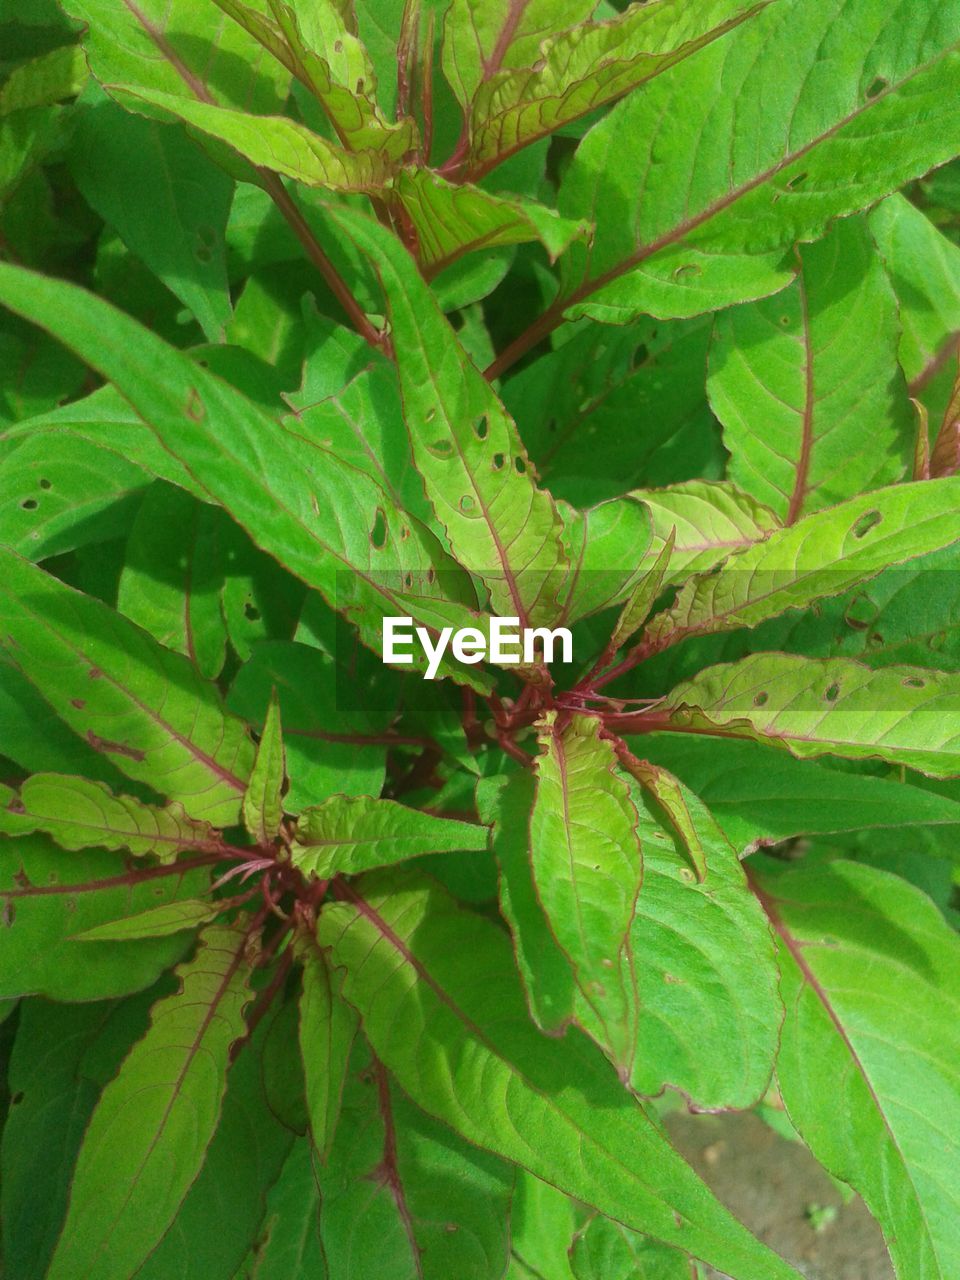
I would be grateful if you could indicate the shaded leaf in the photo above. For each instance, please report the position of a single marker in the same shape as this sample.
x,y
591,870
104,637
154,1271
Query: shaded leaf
x,y
604,1250
180,231
327,1029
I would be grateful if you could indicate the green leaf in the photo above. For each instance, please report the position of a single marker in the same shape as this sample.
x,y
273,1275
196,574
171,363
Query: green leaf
x,y
542,1225
831,706
333,65
924,269
45,80
179,233
313,695
822,555
604,1250
349,834
760,797
263,798
148,1134
644,596
466,1052
384,565
587,867
158,922
806,385
177,48
55,499
579,70
711,199
173,575
501,526
606,547
49,895
571,404
220,1217
142,706
396,1183
479,38
709,520
81,814
62,1055
288,1242
327,1028
873,1009
451,220
276,143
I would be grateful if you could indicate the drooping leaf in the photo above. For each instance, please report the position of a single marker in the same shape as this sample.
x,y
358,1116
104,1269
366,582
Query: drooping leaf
x,y
578,70
263,798
180,231
249,463
830,706
349,834
709,521
328,1026
469,1055
157,922
144,707
870,983
81,814
165,1103
822,555
712,199
806,383
501,526
50,895
587,866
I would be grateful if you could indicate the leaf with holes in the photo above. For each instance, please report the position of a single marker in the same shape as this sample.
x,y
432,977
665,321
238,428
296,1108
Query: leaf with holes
x,y
714,197
830,706
822,555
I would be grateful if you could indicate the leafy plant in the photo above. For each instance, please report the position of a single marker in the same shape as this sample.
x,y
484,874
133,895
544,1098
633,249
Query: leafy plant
x,y
636,320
